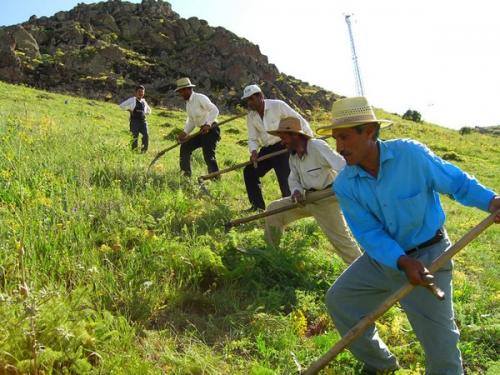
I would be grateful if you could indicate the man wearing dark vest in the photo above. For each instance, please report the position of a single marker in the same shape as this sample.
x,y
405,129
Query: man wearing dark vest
x,y
138,108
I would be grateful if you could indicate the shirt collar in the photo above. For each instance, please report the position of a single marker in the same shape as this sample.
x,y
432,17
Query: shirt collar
x,y
191,98
294,153
385,153
255,113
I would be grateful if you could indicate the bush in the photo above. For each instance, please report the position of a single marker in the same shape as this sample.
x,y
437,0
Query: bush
x,y
412,115
465,130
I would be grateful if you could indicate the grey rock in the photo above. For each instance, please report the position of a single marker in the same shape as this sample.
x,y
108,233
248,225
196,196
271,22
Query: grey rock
x,y
25,42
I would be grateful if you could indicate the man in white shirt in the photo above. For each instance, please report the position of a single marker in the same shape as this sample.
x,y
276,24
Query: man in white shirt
x,y
202,114
313,167
265,115
138,108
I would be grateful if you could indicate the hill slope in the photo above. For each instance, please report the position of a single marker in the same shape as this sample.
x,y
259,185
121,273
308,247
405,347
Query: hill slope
x,y
133,274
103,50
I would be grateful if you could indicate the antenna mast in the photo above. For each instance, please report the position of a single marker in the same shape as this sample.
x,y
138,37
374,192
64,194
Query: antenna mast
x,y
357,74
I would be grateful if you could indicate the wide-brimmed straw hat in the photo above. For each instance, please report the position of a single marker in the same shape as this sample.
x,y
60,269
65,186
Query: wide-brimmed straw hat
x,y
350,112
183,83
289,125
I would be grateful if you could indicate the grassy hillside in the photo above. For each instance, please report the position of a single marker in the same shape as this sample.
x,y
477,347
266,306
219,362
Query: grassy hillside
x,y
133,274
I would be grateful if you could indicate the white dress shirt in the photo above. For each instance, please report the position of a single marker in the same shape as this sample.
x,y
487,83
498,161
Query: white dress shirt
x,y
274,111
129,105
200,110
316,169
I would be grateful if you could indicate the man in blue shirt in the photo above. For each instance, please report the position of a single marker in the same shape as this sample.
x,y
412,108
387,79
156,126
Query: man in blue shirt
x,y
389,194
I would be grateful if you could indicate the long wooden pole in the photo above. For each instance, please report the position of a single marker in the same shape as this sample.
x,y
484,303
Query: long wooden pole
x,y
244,164
368,320
321,195
241,165
189,137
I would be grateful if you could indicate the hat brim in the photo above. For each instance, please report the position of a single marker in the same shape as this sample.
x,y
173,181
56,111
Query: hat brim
x,y
327,130
249,95
276,133
184,87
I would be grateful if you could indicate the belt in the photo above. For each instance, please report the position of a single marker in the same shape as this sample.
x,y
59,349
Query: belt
x,y
437,237
326,187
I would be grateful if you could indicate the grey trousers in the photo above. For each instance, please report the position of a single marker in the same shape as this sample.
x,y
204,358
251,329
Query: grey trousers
x,y
366,283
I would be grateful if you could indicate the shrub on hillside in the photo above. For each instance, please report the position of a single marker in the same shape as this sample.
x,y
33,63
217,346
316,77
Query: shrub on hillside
x,y
465,130
412,115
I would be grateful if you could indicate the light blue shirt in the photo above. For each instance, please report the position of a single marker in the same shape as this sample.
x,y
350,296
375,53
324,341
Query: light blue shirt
x,y
400,208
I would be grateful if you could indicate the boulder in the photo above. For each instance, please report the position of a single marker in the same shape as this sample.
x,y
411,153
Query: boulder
x,y
131,28
25,42
10,64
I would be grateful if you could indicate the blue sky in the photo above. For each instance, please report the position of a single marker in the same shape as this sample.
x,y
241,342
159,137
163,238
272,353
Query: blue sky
x,y
441,58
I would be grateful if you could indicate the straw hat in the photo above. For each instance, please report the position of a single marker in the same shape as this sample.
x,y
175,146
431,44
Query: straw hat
x,y
350,112
289,125
183,83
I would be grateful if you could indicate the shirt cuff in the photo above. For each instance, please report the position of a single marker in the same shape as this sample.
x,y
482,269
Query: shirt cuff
x,y
480,196
393,258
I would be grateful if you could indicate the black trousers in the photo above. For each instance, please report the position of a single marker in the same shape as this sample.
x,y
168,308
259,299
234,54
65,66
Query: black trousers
x,y
253,175
136,128
208,142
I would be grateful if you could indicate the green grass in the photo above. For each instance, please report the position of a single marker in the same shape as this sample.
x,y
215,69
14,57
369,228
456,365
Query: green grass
x,y
133,274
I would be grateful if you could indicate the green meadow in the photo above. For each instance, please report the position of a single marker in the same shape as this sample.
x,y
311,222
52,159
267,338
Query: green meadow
x,y
105,269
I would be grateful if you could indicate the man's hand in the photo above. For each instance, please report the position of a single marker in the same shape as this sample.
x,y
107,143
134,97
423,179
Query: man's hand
x,y
205,129
253,158
181,136
298,197
495,206
414,269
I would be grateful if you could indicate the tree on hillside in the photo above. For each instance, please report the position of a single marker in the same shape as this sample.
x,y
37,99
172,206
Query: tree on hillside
x,y
412,115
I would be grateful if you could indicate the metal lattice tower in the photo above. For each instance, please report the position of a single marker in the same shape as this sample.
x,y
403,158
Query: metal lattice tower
x,y
357,74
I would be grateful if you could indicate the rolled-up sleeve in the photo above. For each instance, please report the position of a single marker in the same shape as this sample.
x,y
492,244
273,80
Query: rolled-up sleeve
x,y
447,178
368,230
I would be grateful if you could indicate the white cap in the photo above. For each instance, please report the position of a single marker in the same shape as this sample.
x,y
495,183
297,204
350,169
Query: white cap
x,y
250,90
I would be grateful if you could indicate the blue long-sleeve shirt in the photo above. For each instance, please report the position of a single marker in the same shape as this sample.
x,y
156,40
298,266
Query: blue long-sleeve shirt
x,y
400,208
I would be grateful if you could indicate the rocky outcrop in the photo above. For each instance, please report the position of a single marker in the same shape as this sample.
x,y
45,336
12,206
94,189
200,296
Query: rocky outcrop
x,y
10,63
103,50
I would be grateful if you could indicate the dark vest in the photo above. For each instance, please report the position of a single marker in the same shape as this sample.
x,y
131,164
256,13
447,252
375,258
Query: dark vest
x,y
138,112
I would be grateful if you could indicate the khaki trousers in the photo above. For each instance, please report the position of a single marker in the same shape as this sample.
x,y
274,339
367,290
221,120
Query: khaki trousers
x,y
328,216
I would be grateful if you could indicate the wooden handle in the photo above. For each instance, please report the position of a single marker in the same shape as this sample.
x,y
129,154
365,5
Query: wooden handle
x,y
189,137
368,320
241,165
316,197
244,164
